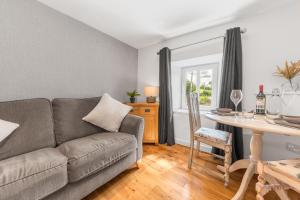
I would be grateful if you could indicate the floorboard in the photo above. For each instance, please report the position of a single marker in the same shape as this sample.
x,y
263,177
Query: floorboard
x,y
163,175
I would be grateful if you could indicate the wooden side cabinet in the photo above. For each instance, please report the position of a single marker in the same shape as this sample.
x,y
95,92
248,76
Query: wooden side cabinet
x,y
149,111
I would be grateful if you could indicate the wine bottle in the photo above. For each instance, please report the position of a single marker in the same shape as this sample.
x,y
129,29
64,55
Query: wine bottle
x,y
261,101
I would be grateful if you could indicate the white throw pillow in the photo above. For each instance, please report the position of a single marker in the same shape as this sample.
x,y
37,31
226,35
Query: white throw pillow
x,y
108,114
6,128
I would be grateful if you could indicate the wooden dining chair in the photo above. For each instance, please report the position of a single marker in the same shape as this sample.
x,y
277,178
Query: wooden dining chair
x,y
279,176
215,138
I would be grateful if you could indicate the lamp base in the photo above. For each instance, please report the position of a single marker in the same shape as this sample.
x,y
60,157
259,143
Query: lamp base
x,y
151,99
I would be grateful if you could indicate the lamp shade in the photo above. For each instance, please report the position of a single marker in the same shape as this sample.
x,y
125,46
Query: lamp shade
x,y
151,91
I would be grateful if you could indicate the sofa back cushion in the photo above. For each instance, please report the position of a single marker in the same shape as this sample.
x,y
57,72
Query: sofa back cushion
x,y
36,126
68,114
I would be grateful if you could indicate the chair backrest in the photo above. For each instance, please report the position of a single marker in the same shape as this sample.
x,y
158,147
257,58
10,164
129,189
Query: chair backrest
x,y
194,112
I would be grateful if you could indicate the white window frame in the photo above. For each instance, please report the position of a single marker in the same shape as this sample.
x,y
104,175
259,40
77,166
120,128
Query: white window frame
x,y
201,63
214,84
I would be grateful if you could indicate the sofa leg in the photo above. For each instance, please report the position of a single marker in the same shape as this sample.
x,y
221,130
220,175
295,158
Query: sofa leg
x,y
137,163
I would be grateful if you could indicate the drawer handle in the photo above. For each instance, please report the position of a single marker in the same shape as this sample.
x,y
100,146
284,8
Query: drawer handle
x,y
147,110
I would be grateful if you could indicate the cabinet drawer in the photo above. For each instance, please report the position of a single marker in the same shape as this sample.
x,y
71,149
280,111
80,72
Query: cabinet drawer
x,y
147,111
135,111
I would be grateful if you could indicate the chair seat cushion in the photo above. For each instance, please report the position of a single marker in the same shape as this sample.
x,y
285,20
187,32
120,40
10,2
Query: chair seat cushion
x,y
214,135
289,167
33,175
93,153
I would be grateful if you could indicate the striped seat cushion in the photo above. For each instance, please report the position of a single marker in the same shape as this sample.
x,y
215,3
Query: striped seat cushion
x,y
213,134
290,167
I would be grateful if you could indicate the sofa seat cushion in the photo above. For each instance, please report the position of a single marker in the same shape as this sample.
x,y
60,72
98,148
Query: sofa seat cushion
x,y
33,175
93,153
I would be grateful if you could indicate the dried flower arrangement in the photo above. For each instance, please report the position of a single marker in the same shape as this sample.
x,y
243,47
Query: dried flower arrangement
x,y
289,71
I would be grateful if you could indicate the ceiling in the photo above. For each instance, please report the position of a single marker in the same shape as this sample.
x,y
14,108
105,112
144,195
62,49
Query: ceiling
x,y
141,23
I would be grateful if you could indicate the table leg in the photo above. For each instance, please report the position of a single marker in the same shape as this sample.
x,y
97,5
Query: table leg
x,y
256,151
240,164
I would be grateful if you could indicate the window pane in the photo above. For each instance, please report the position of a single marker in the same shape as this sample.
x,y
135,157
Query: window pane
x,y
205,96
191,81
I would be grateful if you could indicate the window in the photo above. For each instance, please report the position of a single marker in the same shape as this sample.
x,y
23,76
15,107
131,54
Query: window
x,y
203,80
200,75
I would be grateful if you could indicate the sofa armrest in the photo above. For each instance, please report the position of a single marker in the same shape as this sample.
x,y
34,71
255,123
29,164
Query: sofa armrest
x,y
134,125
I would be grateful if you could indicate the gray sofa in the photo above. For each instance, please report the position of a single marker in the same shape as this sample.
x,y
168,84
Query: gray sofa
x,y
55,155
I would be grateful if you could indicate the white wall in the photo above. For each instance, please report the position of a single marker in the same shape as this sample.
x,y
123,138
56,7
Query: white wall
x,y
271,38
44,53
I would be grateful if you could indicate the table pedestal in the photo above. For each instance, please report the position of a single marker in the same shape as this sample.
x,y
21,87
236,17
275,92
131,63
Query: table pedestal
x,y
251,165
258,125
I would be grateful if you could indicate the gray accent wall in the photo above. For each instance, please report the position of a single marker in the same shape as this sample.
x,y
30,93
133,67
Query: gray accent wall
x,y
44,53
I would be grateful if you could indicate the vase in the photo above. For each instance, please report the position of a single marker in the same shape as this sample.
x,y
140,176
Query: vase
x,y
290,95
289,87
274,104
132,99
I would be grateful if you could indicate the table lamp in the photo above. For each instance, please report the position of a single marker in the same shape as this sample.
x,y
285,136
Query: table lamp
x,y
151,92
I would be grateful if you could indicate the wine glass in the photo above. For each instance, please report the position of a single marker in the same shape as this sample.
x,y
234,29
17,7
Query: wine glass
x,y
236,97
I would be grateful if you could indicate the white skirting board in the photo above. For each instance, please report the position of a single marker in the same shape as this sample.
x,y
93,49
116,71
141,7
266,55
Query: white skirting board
x,y
203,147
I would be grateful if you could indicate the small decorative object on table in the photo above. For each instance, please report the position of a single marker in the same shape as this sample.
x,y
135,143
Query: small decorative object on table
x,y
290,90
274,105
236,97
151,92
247,114
133,96
289,72
261,101
223,112
289,121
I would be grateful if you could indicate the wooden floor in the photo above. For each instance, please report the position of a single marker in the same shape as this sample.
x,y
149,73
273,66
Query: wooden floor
x,y
163,174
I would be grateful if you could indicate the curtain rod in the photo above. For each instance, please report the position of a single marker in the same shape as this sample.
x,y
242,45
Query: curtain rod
x,y
191,44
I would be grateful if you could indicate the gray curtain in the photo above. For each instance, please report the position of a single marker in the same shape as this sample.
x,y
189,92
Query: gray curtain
x,y
165,118
232,79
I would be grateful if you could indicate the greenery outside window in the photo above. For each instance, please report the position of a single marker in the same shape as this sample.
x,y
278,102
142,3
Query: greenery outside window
x,y
202,79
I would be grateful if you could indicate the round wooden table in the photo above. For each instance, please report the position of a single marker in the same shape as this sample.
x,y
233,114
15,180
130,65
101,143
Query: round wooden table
x,y
258,126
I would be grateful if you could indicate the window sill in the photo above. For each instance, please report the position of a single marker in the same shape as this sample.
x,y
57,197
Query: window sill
x,y
186,112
